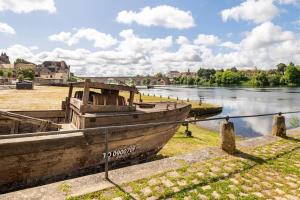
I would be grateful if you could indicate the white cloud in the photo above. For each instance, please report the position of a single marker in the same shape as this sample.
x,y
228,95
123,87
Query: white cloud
x,y
163,15
26,6
101,40
230,45
207,40
252,10
264,46
264,35
5,28
182,40
287,1
133,43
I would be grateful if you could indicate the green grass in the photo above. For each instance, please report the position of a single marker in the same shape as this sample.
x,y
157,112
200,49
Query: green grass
x,y
272,169
181,144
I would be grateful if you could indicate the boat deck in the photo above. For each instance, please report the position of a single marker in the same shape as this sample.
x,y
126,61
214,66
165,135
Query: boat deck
x,y
159,106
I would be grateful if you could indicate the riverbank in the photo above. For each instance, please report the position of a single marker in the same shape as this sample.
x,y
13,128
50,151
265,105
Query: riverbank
x,y
264,168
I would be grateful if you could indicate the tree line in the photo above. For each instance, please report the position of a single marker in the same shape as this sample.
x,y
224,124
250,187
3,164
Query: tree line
x,y
283,75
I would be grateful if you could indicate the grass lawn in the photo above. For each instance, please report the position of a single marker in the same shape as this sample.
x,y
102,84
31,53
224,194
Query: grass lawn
x,y
181,144
50,97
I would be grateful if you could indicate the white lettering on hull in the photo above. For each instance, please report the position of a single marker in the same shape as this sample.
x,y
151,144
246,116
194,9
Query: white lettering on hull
x,y
121,152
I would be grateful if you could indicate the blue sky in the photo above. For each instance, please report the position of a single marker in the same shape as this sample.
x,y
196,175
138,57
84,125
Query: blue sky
x,y
144,37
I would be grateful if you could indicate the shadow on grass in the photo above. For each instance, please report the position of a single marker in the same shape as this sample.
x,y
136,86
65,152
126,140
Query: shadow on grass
x,y
247,156
257,161
121,189
291,139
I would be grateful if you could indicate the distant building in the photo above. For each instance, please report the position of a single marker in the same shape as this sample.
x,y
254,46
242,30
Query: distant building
x,y
4,59
188,74
52,72
7,67
173,74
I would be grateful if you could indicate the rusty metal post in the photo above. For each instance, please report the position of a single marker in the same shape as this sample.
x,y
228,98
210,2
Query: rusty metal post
x,y
106,154
187,132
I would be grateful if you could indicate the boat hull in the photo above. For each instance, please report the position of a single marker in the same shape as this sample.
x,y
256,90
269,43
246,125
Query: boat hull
x,y
30,161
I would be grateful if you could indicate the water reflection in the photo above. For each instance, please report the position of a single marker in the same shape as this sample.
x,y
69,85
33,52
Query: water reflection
x,y
240,101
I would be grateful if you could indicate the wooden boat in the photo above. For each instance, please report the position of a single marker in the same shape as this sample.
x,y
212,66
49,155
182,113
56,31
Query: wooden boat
x,y
36,149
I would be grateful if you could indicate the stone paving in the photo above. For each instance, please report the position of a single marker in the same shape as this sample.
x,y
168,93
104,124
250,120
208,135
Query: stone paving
x,y
268,172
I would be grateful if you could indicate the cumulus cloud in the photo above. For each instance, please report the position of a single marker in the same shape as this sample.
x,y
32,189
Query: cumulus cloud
x,y
163,15
133,43
5,28
182,40
264,35
101,40
264,46
207,40
26,6
252,10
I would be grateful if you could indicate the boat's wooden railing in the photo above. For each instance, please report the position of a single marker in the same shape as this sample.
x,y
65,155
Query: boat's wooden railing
x,y
43,125
89,108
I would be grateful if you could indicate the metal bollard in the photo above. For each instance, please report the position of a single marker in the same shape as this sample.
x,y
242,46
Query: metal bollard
x,y
227,136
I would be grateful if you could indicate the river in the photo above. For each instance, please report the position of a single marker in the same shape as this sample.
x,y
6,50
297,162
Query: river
x,y
240,101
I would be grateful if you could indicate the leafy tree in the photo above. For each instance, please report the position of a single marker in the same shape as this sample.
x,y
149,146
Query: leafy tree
x,y
146,81
234,69
21,60
190,80
159,75
281,68
9,74
206,73
274,79
218,78
292,75
230,78
1,73
26,73
260,79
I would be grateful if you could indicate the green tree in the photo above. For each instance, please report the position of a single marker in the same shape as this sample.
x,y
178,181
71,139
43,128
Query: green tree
x,y
146,81
1,73
218,78
281,68
26,73
274,79
206,73
159,75
9,74
190,81
21,60
230,78
260,79
292,75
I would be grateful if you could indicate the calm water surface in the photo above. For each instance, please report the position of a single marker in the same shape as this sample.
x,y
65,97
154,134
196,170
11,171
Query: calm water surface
x,y
241,101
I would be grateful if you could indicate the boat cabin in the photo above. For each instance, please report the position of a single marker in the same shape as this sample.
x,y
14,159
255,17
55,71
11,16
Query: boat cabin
x,y
97,98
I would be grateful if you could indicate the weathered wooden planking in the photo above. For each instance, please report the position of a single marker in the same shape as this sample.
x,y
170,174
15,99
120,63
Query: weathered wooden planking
x,y
58,156
30,120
